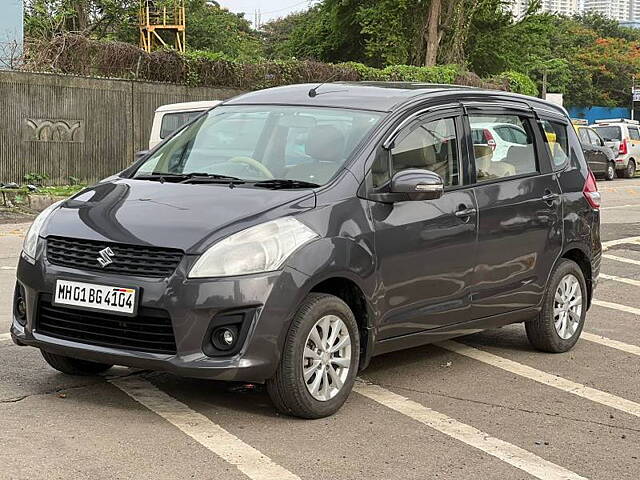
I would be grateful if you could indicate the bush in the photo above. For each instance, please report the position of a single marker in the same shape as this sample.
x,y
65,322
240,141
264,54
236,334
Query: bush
x,y
78,55
517,82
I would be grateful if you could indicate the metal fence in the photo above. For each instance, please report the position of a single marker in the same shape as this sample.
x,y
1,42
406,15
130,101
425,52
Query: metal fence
x,y
86,128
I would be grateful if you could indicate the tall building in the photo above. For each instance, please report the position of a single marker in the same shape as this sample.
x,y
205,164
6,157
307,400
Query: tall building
x,y
622,10
563,7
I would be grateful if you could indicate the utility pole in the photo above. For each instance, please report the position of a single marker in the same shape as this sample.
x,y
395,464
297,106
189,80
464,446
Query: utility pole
x,y
544,83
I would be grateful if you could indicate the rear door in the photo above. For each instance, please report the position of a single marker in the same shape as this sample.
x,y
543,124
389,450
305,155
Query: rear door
x,y
591,154
519,216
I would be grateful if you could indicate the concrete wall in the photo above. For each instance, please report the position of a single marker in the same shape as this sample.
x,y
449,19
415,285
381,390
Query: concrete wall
x,y
88,128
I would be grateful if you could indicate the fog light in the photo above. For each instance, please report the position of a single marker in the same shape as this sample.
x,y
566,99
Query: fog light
x,y
225,338
19,306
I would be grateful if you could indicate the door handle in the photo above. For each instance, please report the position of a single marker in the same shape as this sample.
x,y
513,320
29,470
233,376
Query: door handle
x,y
550,197
465,212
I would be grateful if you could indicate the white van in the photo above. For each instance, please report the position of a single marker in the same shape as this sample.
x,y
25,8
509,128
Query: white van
x,y
168,118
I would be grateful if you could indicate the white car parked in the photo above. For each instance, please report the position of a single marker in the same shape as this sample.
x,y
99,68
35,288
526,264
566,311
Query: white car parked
x,y
168,118
499,136
623,136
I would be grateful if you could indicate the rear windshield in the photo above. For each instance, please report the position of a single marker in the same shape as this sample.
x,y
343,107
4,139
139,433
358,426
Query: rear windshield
x,y
609,133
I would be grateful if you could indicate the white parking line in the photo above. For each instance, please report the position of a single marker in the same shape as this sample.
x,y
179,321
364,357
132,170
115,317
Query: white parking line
x,y
230,448
5,337
616,306
628,281
619,241
621,259
531,373
511,454
625,347
7,268
620,206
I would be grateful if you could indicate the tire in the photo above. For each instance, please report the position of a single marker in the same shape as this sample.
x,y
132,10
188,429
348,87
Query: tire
x,y
611,171
630,171
288,389
74,366
542,331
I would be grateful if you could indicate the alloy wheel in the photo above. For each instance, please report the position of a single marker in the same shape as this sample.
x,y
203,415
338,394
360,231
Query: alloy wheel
x,y
327,358
567,306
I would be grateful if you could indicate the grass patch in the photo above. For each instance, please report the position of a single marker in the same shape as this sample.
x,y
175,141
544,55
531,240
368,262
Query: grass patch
x,y
60,190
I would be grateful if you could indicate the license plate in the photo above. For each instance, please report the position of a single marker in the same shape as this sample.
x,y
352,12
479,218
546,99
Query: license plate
x,y
90,296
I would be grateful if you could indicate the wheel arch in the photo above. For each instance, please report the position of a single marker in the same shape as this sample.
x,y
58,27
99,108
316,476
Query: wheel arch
x,y
582,259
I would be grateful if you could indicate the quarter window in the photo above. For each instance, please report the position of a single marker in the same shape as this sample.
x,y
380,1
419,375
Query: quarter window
x,y
509,152
555,134
583,134
633,133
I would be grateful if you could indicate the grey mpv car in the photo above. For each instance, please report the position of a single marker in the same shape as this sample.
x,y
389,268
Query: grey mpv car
x,y
288,235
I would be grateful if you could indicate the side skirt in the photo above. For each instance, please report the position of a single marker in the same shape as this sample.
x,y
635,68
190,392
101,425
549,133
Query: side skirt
x,y
455,330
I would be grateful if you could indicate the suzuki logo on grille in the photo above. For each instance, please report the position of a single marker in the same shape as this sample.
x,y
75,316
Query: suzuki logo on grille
x,y
105,257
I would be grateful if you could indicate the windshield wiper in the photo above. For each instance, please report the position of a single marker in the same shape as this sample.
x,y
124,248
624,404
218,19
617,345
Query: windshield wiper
x,y
210,178
195,177
276,183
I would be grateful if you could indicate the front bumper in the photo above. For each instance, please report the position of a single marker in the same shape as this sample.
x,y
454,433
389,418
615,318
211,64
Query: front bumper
x,y
192,306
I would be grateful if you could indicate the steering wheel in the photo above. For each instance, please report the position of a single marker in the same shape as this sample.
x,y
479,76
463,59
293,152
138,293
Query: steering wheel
x,y
253,164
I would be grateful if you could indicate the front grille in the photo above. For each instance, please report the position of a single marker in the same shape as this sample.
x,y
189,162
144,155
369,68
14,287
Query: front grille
x,y
149,331
127,259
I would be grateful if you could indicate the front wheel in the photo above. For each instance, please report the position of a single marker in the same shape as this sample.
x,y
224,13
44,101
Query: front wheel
x,y
611,171
630,171
74,366
319,361
559,324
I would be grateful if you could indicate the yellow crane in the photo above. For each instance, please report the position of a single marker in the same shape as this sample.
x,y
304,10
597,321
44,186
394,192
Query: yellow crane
x,y
162,24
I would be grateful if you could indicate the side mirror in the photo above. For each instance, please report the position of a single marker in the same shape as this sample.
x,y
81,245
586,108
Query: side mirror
x,y
417,184
411,184
138,155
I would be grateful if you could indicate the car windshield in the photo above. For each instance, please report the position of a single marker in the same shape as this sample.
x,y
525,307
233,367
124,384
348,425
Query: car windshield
x,y
609,133
257,143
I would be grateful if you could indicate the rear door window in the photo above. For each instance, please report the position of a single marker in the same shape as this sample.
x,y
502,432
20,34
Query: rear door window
x,y
594,138
583,135
513,151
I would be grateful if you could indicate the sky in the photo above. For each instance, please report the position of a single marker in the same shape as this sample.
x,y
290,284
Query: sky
x,y
270,9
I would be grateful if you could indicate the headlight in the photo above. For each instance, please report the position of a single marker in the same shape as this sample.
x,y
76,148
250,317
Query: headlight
x,y
262,248
31,240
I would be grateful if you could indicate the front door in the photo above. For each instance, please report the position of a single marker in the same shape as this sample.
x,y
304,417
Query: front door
x,y
425,249
519,215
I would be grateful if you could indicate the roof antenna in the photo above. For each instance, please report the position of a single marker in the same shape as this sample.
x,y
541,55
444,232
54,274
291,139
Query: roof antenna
x,y
314,91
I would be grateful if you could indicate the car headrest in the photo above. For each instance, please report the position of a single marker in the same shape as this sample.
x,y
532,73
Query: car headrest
x,y
483,155
325,143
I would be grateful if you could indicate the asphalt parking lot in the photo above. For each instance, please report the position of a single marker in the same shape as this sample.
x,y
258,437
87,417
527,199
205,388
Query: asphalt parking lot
x,y
486,406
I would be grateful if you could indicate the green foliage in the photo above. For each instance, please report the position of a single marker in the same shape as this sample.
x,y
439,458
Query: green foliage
x,y
36,178
61,190
518,82
446,74
217,30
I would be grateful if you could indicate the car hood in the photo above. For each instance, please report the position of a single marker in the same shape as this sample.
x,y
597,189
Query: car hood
x,y
185,216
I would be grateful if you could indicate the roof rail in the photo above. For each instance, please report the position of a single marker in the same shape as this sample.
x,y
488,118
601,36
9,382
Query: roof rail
x,y
618,120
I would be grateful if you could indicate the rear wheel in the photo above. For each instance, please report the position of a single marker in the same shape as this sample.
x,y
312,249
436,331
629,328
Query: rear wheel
x,y
558,327
611,171
319,361
74,366
630,171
